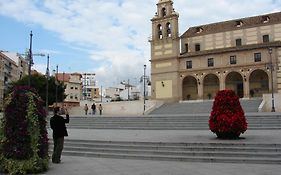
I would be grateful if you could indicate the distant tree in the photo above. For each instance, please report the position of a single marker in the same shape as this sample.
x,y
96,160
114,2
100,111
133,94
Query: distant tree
x,y
38,82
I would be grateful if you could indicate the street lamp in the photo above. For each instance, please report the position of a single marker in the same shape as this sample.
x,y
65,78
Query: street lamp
x,y
30,59
144,68
47,85
271,74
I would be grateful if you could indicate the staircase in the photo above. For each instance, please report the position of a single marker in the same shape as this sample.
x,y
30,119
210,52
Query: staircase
x,y
256,121
199,107
219,152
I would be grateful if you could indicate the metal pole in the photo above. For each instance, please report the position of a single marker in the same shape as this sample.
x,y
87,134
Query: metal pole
x,y
63,87
30,59
47,85
128,89
271,73
144,67
101,94
57,82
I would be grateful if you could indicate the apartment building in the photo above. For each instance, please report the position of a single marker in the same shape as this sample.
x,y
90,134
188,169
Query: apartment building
x,y
73,88
13,67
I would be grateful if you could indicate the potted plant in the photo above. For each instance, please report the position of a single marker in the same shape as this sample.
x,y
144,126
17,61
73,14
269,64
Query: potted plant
x,y
227,119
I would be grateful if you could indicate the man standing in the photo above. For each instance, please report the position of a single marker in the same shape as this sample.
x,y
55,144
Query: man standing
x,y
57,123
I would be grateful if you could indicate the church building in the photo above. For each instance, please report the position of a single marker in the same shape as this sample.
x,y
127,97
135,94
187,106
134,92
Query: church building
x,y
241,54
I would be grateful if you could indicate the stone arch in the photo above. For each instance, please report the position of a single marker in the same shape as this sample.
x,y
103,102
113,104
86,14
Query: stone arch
x,y
189,88
259,83
211,85
160,31
164,12
169,30
234,81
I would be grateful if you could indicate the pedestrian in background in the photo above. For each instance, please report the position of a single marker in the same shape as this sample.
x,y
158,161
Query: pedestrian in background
x,y
57,123
86,109
100,109
93,108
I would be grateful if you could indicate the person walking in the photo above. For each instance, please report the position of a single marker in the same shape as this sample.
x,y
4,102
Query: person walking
x,y
57,123
86,109
93,108
100,109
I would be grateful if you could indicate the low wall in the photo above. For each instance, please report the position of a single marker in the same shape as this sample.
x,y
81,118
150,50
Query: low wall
x,y
116,108
267,102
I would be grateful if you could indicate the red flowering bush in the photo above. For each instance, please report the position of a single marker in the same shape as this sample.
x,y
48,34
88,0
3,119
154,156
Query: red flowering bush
x,y
227,118
23,133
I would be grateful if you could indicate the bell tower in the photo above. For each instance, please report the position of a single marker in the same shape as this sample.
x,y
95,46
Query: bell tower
x,y
164,52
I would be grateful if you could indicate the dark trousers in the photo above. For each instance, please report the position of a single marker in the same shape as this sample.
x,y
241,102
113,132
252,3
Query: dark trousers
x,y
58,147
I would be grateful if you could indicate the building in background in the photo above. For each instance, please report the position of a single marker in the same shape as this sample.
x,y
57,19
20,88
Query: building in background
x,y
90,90
238,54
123,91
13,67
73,88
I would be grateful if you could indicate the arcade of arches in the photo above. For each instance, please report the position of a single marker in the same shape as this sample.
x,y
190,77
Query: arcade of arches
x,y
245,84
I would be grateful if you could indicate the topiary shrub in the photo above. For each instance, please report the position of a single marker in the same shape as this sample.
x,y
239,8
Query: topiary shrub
x,y
227,118
23,133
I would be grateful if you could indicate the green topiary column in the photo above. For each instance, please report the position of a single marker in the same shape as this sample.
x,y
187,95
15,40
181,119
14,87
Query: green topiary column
x,y
227,118
23,133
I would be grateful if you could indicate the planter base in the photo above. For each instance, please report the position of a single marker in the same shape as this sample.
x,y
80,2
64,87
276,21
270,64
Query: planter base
x,y
228,135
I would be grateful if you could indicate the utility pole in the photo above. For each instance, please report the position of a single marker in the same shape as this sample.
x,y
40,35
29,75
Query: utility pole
x,y
30,59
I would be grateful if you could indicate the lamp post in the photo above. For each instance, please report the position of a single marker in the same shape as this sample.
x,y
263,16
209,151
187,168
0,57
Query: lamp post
x,y
271,74
47,85
144,68
57,83
30,59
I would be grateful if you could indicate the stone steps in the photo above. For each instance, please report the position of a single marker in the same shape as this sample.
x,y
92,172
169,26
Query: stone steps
x,y
187,152
256,121
195,107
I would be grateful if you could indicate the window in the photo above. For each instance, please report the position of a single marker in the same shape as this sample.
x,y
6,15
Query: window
x,y
199,29
168,27
232,59
265,38
164,12
186,47
265,19
257,57
71,87
159,30
197,47
188,64
239,23
76,88
238,42
210,62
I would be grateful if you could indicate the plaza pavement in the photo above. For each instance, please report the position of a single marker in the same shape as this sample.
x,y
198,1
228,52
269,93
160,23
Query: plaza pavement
x,y
106,166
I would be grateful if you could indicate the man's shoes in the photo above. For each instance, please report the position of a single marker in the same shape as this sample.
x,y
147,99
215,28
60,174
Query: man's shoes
x,y
56,162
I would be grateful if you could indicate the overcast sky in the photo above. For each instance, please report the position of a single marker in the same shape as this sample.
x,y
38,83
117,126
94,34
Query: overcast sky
x,y
106,37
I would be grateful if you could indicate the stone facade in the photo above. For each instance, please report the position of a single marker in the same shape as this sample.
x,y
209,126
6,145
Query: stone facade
x,y
13,67
73,88
238,54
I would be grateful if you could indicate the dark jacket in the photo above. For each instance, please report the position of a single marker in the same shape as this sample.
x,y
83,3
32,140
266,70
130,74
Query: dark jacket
x,y
58,125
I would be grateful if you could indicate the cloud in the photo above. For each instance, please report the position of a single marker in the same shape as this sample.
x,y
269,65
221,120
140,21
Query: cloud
x,y
114,34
